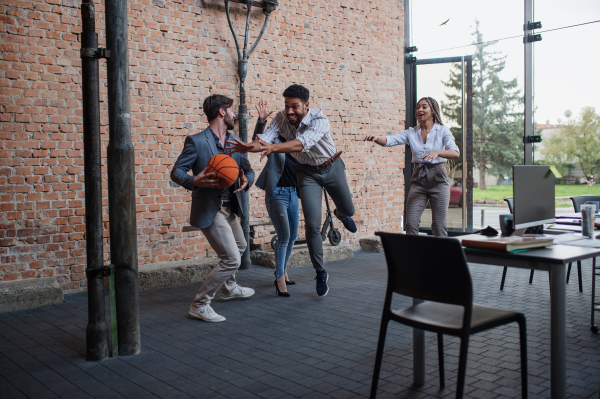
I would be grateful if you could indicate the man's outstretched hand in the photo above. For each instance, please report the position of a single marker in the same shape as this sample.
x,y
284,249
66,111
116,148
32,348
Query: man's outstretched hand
x,y
265,149
243,181
204,179
239,146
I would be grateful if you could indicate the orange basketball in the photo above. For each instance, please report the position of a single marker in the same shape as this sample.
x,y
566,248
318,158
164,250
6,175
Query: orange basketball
x,y
225,169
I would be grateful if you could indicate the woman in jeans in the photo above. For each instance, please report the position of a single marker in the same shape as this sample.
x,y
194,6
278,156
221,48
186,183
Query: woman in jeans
x,y
432,144
278,179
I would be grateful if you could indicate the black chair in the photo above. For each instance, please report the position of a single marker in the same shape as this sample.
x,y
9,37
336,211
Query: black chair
x,y
435,270
580,200
509,201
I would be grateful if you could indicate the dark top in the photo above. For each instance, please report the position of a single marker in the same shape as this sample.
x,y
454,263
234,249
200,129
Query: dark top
x,y
288,177
227,192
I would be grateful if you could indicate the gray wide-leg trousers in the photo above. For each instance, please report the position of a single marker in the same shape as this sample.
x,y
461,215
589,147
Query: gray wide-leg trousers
x,y
432,187
311,184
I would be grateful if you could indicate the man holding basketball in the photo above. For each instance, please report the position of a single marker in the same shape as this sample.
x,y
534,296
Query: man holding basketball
x,y
319,166
214,209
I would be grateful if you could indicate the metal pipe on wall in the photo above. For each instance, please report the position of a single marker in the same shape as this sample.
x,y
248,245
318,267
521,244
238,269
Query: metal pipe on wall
x,y
97,329
121,181
243,117
243,53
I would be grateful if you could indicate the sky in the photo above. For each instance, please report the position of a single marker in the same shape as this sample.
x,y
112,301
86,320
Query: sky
x,y
566,61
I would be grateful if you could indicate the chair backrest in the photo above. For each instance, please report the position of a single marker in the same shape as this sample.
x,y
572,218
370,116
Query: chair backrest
x,y
429,268
580,200
509,201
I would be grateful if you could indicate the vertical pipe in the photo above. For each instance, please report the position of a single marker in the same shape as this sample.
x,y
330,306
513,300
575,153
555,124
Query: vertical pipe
x,y
464,140
97,330
558,332
121,181
468,156
528,85
594,275
243,131
410,81
418,352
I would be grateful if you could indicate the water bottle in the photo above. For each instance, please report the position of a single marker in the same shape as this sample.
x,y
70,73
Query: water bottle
x,y
587,220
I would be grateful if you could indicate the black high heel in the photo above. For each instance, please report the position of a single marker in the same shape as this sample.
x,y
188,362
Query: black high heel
x,y
287,282
285,294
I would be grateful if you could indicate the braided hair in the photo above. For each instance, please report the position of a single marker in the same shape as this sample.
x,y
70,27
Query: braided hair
x,y
435,109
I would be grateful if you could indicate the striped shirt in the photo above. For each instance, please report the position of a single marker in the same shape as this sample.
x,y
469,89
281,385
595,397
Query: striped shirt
x,y
439,138
313,133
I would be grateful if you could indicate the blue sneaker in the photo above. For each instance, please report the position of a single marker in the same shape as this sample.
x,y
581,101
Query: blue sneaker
x,y
322,287
348,222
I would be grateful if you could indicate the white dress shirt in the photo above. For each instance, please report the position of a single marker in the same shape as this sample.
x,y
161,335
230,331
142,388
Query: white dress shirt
x,y
439,138
313,133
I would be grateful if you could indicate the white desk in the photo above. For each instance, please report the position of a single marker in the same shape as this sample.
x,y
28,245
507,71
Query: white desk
x,y
552,259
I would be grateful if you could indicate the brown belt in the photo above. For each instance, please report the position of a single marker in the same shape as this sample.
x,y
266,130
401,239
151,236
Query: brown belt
x,y
324,164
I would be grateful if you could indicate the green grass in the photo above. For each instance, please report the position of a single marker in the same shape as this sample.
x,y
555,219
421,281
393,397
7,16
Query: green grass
x,y
498,193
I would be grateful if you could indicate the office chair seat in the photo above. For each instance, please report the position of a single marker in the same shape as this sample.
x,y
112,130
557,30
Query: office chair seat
x,y
447,319
435,270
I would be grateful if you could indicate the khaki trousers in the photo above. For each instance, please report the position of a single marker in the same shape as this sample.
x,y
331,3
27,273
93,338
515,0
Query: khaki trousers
x,y
226,237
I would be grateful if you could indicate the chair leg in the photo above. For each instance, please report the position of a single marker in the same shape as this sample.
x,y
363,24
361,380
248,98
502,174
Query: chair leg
x,y
523,342
379,355
503,278
579,275
462,366
441,359
569,272
531,276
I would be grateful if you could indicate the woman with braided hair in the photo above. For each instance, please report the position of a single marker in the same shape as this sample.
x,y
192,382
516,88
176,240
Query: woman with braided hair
x,y
432,144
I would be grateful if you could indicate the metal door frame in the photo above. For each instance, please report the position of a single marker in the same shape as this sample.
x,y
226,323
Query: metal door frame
x,y
467,126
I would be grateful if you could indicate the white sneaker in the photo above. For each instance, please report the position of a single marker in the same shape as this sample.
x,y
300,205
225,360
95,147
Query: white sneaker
x,y
238,292
204,312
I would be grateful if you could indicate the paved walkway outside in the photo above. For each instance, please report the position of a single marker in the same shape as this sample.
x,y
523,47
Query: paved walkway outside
x,y
298,347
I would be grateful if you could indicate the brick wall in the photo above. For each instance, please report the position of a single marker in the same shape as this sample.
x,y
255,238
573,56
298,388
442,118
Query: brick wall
x,y
348,53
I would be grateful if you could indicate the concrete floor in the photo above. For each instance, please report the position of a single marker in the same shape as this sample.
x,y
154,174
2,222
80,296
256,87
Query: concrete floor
x,y
298,347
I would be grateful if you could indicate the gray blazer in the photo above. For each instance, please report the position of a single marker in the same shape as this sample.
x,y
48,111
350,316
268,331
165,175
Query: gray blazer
x,y
206,202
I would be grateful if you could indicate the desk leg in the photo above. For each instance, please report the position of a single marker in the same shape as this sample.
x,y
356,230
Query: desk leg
x,y
418,353
558,333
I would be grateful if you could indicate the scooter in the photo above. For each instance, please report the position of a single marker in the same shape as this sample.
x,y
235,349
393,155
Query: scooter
x,y
327,231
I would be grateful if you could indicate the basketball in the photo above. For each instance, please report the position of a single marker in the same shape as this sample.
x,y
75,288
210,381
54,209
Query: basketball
x,y
225,169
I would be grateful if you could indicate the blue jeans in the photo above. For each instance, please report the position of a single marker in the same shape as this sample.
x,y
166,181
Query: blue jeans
x,y
284,212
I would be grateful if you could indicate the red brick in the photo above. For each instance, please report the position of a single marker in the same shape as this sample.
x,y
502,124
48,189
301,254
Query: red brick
x,y
177,57
10,277
28,274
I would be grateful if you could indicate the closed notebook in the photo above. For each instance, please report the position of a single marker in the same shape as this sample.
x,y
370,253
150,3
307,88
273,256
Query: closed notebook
x,y
507,244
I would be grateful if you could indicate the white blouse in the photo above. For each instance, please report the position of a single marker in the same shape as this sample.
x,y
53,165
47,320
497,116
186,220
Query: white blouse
x,y
438,139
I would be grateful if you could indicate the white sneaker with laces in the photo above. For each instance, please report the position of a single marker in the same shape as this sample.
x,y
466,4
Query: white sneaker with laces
x,y
238,292
204,312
